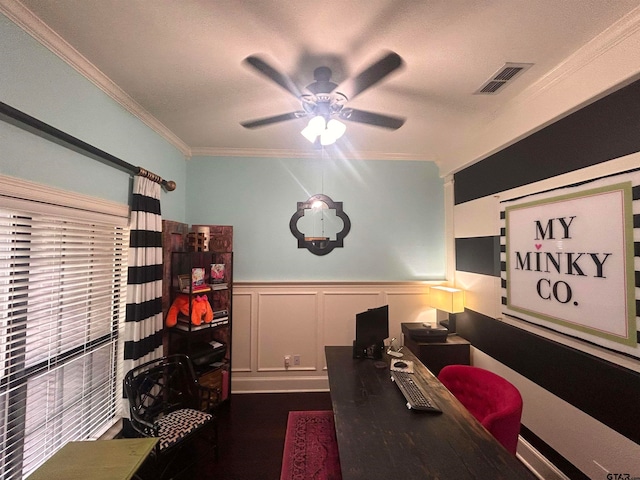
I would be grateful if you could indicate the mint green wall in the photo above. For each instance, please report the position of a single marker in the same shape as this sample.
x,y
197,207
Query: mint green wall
x,y
396,207
396,210
36,81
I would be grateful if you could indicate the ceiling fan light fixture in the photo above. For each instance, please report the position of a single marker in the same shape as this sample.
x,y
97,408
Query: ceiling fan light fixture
x,y
314,128
335,129
323,99
326,138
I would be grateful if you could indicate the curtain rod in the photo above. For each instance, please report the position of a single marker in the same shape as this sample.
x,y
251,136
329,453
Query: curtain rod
x,y
33,125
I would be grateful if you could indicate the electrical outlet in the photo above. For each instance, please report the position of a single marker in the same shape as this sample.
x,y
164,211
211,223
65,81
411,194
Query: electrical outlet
x,y
287,361
296,360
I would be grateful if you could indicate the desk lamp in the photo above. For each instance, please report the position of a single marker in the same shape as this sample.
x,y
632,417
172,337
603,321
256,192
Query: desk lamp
x,y
450,300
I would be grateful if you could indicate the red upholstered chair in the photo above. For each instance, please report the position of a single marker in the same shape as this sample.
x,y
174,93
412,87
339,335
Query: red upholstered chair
x,y
495,402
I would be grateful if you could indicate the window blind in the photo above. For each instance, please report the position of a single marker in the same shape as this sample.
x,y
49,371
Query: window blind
x,y
62,298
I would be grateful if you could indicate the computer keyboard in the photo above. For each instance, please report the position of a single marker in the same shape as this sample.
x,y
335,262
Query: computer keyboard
x,y
416,398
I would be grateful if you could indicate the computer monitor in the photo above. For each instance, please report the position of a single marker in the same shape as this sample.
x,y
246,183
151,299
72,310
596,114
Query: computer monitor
x,y
372,328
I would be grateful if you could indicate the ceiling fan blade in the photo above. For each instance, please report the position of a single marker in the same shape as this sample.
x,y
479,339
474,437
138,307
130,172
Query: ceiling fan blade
x,y
371,118
372,75
261,122
274,75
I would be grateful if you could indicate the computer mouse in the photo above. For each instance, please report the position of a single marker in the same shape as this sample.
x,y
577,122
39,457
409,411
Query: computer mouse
x,y
400,365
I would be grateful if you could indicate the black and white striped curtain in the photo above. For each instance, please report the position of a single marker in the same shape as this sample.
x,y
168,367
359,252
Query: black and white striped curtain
x,y
143,326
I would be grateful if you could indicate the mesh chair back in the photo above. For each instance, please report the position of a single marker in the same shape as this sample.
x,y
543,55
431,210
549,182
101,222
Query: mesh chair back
x,y
160,387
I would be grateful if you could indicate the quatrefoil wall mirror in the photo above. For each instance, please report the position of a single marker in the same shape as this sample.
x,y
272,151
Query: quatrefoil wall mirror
x,y
320,224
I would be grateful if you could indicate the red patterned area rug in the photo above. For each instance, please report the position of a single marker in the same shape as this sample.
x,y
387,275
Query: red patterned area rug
x,y
310,447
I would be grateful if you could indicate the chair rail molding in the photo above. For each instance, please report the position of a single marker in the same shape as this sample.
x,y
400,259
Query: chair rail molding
x,y
297,319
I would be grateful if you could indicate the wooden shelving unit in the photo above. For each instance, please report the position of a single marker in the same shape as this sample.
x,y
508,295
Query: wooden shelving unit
x,y
208,344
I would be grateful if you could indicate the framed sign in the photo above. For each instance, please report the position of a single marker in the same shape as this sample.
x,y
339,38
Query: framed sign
x,y
569,261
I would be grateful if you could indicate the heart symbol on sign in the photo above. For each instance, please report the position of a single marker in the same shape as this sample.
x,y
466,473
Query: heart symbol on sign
x,y
538,246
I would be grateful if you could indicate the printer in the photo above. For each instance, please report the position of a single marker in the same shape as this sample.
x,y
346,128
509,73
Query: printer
x,y
426,333
206,353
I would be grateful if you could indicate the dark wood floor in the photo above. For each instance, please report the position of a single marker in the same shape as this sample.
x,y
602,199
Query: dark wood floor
x,y
251,435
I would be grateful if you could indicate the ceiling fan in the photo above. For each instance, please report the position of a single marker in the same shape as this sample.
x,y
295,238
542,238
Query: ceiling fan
x,y
324,101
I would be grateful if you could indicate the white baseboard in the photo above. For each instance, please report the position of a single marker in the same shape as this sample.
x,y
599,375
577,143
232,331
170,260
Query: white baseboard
x,y
279,384
538,464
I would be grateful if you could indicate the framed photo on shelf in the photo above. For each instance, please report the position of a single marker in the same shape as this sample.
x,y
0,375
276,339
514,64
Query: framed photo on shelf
x,y
197,278
184,282
217,272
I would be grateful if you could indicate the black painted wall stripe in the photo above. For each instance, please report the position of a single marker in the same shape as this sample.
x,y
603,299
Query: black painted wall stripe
x,y
606,391
604,130
478,255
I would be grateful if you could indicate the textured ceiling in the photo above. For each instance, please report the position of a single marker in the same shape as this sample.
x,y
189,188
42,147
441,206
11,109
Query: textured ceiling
x,y
179,63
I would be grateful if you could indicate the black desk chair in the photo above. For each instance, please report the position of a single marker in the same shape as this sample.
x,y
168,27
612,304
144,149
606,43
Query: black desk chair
x,y
166,401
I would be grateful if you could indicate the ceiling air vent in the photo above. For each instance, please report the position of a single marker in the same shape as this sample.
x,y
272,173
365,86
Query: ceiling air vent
x,y
503,76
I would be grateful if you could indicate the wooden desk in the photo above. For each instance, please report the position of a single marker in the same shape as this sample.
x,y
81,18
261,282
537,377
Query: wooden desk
x,y
379,438
98,460
436,355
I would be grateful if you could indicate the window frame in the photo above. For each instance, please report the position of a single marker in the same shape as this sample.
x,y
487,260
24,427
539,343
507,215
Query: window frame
x,y
32,198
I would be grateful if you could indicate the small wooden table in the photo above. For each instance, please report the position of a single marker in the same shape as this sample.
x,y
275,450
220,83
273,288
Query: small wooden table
x,y
97,460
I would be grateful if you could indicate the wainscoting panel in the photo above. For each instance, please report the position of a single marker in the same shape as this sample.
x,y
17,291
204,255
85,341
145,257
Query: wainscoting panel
x,y
272,320
241,328
340,310
412,305
287,326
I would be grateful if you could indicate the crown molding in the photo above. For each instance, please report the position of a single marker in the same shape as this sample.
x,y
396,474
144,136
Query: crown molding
x,y
332,152
628,26
253,152
603,64
30,23
589,53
